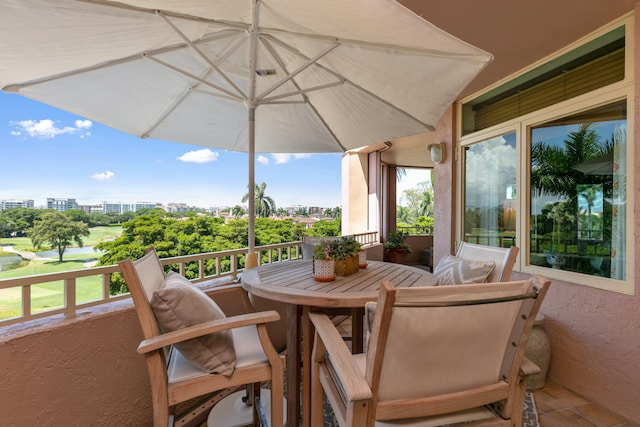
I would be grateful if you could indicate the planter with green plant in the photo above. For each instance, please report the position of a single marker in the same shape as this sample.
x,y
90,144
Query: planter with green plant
x,y
323,262
395,247
345,251
336,257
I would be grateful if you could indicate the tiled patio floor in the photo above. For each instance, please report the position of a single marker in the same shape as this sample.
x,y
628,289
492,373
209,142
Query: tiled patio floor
x,y
560,407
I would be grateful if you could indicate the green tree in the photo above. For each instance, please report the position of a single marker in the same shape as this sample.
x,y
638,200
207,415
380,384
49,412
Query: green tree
x,y
264,205
333,212
16,221
589,194
553,167
302,211
419,202
282,212
238,211
325,228
59,231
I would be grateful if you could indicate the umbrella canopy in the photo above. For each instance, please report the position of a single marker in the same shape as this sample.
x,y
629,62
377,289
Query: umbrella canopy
x,y
602,165
273,76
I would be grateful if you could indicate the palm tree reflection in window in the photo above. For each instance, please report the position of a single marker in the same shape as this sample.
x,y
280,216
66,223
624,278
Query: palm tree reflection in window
x,y
574,168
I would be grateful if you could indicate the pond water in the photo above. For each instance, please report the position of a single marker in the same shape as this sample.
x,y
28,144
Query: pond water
x,y
9,262
70,251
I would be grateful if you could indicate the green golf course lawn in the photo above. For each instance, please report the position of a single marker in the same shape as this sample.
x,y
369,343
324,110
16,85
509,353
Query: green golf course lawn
x,y
51,295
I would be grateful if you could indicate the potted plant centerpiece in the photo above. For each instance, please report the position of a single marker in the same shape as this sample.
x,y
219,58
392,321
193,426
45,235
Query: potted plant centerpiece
x,y
345,251
323,262
395,248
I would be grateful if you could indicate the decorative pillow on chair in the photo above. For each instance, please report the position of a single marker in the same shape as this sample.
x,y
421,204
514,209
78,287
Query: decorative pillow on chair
x,y
179,304
452,271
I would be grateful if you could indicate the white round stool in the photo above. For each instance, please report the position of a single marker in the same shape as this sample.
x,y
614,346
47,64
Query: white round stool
x,y
232,411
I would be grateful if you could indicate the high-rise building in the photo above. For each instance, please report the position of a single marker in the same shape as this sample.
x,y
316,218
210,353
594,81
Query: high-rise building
x,y
61,205
16,203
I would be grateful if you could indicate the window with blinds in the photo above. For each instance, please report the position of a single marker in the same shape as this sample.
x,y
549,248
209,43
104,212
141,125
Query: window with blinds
x,y
596,65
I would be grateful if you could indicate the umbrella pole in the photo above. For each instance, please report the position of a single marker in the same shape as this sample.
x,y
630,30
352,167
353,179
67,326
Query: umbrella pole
x,y
252,259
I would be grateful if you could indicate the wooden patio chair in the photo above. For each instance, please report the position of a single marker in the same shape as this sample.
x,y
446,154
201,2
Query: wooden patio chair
x,y
504,258
199,358
437,355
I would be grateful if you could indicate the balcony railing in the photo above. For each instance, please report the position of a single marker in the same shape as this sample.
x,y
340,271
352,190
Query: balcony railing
x,y
69,305
416,230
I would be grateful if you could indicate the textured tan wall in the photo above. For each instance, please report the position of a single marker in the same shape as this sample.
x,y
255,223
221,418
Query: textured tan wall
x,y
595,334
82,372
595,344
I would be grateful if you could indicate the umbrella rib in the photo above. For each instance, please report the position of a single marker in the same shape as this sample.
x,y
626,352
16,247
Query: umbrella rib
x,y
282,65
244,27
106,64
200,53
301,91
172,108
191,76
300,69
383,46
351,83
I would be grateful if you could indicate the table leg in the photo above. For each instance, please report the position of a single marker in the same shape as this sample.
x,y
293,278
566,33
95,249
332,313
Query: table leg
x,y
294,313
307,348
357,331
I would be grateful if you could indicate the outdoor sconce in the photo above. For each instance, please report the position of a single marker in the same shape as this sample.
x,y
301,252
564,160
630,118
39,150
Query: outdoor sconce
x,y
438,152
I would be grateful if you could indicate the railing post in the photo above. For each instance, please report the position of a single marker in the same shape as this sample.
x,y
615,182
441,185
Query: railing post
x,y
70,298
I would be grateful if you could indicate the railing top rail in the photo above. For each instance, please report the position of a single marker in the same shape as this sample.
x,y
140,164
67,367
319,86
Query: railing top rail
x,y
69,278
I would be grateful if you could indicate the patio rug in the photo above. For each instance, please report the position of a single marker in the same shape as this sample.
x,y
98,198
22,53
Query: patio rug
x,y
529,414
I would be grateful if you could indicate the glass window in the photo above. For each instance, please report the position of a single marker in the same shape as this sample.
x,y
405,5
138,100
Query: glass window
x,y
578,193
490,208
414,200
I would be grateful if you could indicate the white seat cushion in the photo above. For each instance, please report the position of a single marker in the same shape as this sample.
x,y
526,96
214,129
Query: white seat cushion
x,y
247,347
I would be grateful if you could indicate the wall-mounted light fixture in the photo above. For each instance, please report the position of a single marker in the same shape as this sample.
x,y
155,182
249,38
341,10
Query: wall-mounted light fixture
x,y
438,152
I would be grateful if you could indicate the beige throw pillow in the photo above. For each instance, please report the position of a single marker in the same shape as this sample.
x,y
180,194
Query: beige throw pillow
x,y
179,304
452,271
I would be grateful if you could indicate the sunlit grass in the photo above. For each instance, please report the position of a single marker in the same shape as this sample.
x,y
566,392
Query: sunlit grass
x,y
50,295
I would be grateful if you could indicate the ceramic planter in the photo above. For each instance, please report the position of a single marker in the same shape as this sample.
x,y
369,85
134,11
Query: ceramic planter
x,y
556,261
347,266
324,269
397,255
362,259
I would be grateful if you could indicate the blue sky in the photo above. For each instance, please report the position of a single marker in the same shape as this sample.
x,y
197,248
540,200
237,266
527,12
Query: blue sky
x,y
47,152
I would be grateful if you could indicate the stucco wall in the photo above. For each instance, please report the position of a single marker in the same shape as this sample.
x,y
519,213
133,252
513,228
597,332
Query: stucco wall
x,y
82,372
595,344
595,334
444,192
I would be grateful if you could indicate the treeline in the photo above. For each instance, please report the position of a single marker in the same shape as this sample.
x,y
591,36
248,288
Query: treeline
x,y
15,222
199,234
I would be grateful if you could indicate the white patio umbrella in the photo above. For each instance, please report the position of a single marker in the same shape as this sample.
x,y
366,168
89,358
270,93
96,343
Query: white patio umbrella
x,y
261,76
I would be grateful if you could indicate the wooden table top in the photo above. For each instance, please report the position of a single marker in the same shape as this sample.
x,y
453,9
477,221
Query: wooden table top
x,y
292,282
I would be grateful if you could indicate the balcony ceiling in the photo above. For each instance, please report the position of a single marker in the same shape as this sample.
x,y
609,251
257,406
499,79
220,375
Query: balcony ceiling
x,y
516,33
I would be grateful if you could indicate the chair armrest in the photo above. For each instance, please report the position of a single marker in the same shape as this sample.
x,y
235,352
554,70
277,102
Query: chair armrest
x,y
528,368
206,328
344,367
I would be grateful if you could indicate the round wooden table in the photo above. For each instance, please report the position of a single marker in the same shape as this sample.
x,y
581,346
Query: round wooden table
x,y
292,282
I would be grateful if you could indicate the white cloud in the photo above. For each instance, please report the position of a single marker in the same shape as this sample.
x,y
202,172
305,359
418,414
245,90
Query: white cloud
x,y
47,128
199,156
491,166
282,158
83,124
263,160
103,176
42,129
